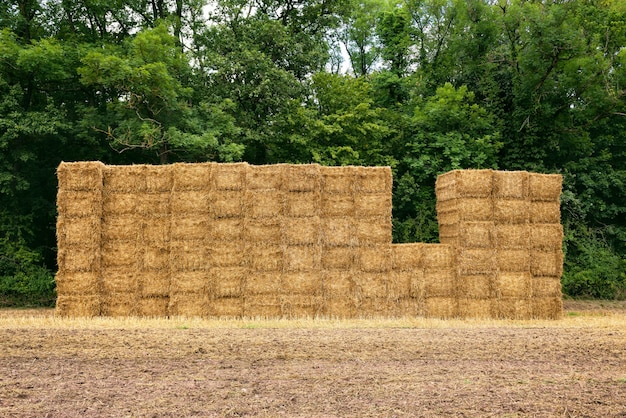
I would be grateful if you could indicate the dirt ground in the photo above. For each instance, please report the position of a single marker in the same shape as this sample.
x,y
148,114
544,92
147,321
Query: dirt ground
x,y
573,367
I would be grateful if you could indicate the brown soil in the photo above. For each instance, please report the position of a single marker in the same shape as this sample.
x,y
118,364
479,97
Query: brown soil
x,y
484,370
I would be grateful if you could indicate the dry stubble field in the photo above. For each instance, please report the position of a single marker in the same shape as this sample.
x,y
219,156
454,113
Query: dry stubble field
x,y
412,367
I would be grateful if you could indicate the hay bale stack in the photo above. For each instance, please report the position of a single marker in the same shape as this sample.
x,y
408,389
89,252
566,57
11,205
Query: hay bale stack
x,y
406,287
440,288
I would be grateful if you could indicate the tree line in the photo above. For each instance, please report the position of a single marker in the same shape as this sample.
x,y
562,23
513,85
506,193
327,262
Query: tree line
x,y
424,86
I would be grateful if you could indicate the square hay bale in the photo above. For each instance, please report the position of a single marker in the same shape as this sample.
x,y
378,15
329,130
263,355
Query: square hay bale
x,y
153,307
474,209
85,305
513,236
153,204
511,211
441,307
190,227
301,306
510,184
261,230
475,308
373,205
227,229
515,285
188,305
118,280
155,257
372,231
119,203
82,231
78,283
449,234
476,234
303,204
512,308
121,227
409,308
338,231
156,229
545,187
440,283
298,231
437,256
477,286
338,284
225,308
264,203
302,177
80,176
227,203
546,263
406,257
79,258
120,254
265,177
474,183
190,201
546,236
262,283
476,260
335,204
407,284
375,259
191,176
370,285
265,257
547,308
373,180
543,287
302,283
190,282
124,178
120,305
227,254
229,176
158,178
154,284
75,204
341,308
545,212
445,186
227,282
375,308
338,258
302,258
186,256
513,260
339,180
262,306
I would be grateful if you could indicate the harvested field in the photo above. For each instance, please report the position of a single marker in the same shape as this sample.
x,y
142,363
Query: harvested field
x,y
575,366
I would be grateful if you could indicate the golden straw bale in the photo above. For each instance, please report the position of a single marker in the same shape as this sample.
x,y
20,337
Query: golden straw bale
x,y
445,186
73,204
191,176
225,308
373,204
264,203
80,176
546,263
119,280
440,283
297,231
78,258
372,231
84,231
546,236
124,178
265,257
302,177
119,254
263,230
409,308
407,284
190,282
475,308
84,305
373,180
435,256
512,308
477,286
229,176
476,234
125,227
263,283
153,204
158,178
153,307
302,283
227,203
259,177
118,203
476,260
227,281
336,204
370,285
338,180
515,236
374,259
189,256
190,227
155,257
441,307
448,211
406,256
546,287
510,184
302,258
190,201
513,285
474,183
511,211
78,283
301,306
449,234
375,307
302,204
474,209
338,283
545,212
340,307
156,229
547,308
545,187
229,229
120,305
188,305
339,258
227,253
154,284
513,260
263,306
338,231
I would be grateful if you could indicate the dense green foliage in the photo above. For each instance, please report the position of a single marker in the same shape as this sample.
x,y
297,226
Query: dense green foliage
x,y
424,86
